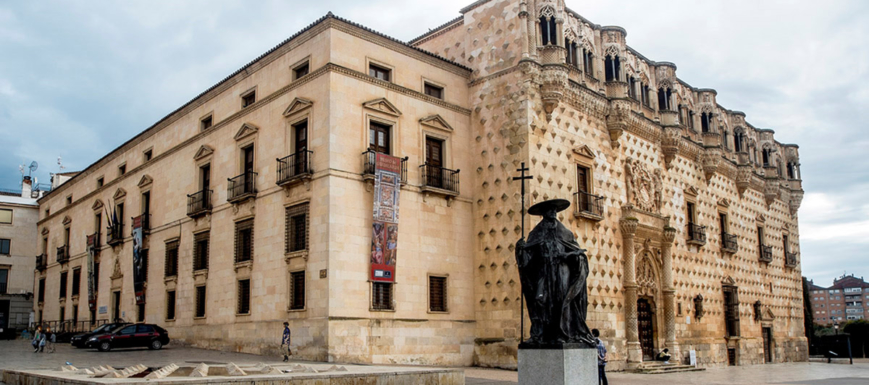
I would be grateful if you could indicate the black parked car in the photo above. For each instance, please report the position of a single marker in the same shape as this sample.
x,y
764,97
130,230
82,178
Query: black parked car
x,y
130,336
80,340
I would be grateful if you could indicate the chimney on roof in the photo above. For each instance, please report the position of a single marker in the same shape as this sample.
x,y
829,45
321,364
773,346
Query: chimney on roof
x,y
26,187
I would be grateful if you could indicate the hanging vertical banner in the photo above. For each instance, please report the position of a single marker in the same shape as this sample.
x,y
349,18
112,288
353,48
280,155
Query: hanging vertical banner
x,y
92,296
138,261
384,241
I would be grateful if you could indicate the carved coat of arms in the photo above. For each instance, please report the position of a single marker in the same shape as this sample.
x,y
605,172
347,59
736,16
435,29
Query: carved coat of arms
x,y
644,187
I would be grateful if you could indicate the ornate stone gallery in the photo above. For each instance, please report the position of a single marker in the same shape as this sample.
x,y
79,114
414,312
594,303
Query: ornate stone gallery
x,y
254,202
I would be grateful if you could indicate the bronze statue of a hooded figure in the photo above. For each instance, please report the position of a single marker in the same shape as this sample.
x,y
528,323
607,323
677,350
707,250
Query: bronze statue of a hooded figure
x,y
553,271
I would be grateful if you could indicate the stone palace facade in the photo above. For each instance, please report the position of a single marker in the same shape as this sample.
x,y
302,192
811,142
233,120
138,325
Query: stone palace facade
x,y
255,200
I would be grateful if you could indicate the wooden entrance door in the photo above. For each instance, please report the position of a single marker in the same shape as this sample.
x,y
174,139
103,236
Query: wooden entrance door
x,y
767,345
646,329
434,154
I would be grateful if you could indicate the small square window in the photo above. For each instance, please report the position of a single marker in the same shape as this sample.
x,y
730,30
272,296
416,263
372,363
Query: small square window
x,y
5,246
122,169
243,297
100,182
206,122
301,70
69,200
434,91
248,99
379,72
6,216
148,154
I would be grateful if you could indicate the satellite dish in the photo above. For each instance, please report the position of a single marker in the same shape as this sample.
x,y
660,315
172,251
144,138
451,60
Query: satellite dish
x,y
33,166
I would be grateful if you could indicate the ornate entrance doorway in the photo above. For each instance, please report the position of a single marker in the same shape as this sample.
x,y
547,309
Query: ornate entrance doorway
x,y
646,328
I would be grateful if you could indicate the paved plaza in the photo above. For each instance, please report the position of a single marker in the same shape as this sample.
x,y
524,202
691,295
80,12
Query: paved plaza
x,y
18,355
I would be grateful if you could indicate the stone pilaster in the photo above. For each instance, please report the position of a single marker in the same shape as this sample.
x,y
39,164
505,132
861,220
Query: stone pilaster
x,y
669,291
635,351
523,25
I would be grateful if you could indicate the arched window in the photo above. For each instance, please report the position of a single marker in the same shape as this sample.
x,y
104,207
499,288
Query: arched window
x,y
632,87
739,140
612,68
587,65
767,157
572,56
644,93
706,121
664,98
548,31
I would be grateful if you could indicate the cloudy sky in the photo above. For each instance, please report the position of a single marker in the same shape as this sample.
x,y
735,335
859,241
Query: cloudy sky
x,y
78,78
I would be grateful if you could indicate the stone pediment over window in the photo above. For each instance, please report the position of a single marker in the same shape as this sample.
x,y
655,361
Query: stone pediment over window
x,y
382,105
724,202
691,191
119,194
246,130
729,281
760,218
98,205
67,220
436,121
145,181
584,151
204,152
767,315
45,231
298,104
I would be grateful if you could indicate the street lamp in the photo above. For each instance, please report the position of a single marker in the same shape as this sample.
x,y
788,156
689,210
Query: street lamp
x,y
836,326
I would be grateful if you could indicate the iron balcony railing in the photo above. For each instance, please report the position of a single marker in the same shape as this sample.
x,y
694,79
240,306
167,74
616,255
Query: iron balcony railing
x,y
369,164
199,203
41,262
146,222
729,242
294,167
765,253
115,234
63,254
440,178
241,187
589,203
791,261
696,234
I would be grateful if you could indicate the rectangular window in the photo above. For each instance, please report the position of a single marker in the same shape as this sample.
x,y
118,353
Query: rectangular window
x,y
69,200
378,137
148,154
379,72
144,264
4,280
170,266
434,91
122,169
297,285
206,122
170,305
760,240
76,281
248,99
722,222
6,246
96,277
301,70
244,241
41,294
6,216
74,315
787,249
63,278
200,302
731,310
437,294
297,228
100,182
243,297
381,296
200,251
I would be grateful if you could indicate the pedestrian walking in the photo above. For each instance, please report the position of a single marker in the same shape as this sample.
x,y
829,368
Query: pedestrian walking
x,y
601,358
37,336
285,339
50,339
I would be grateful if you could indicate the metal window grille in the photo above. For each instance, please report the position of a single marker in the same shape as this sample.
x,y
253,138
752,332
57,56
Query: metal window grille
x,y
297,228
381,296
171,262
437,293
731,310
243,296
297,297
244,241
170,305
200,251
200,301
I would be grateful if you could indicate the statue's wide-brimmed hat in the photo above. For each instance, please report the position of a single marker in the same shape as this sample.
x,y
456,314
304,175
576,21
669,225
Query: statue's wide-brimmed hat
x,y
542,207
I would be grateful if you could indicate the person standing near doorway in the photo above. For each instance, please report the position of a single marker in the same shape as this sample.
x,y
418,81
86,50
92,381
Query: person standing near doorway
x,y
601,358
285,339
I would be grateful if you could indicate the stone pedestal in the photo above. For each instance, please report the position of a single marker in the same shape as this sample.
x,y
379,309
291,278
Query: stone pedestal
x,y
568,364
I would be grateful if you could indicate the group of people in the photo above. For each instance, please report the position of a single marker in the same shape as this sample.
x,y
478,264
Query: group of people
x,y
41,338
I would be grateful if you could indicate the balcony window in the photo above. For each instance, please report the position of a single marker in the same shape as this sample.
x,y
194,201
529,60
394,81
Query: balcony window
x,y
632,87
706,122
665,96
572,57
297,165
696,233
587,62
170,266
242,187
587,204
644,95
434,175
369,165
199,203
731,310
